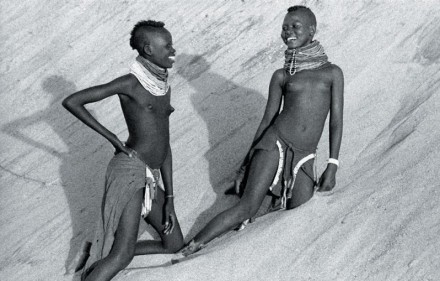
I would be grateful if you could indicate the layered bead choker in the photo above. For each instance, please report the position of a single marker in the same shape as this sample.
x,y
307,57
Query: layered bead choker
x,y
311,56
152,77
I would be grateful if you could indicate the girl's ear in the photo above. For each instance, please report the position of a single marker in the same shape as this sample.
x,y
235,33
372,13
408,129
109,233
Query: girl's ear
x,y
312,30
147,49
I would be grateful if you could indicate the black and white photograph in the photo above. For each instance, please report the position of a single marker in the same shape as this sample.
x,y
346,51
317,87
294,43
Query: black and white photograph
x,y
225,140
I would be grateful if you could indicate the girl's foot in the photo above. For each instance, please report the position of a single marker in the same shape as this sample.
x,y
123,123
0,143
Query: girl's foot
x,y
189,249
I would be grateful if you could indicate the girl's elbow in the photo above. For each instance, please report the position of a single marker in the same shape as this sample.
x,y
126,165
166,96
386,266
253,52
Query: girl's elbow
x,y
69,103
66,103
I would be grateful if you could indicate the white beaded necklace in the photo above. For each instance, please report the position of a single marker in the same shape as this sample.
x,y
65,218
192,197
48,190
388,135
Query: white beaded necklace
x,y
155,80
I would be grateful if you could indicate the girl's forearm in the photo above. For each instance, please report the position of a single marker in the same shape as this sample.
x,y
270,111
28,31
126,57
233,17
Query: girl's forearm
x,y
167,173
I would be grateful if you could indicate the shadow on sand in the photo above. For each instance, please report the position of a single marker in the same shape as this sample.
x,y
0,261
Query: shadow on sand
x,y
82,165
232,114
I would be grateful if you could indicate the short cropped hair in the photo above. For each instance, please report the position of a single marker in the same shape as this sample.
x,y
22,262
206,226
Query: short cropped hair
x,y
305,9
137,38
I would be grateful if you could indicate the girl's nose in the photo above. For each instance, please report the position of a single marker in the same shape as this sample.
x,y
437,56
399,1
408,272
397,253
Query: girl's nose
x,y
288,32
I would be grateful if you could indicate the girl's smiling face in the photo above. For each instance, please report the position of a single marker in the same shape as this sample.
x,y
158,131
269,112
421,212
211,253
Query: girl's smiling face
x,y
297,30
161,51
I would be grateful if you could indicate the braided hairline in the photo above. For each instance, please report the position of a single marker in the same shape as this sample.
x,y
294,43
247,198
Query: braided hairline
x,y
305,9
135,38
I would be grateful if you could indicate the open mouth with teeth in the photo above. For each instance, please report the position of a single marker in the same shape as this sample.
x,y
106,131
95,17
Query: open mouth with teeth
x,y
291,39
173,58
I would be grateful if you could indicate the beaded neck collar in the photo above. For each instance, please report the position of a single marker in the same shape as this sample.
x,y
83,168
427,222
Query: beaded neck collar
x,y
311,56
152,77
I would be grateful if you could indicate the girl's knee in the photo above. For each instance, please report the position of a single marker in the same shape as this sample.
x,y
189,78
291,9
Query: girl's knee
x,y
174,242
246,211
174,247
122,260
296,202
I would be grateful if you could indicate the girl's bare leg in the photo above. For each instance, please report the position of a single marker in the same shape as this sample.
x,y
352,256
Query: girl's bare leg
x,y
263,167
123,248
170,243
302,190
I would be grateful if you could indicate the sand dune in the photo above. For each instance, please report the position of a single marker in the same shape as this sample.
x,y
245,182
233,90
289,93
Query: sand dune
x,y
380,223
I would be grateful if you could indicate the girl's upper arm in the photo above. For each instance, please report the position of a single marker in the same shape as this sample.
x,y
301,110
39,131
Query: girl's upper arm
x,y
337,101
275,95
120,85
